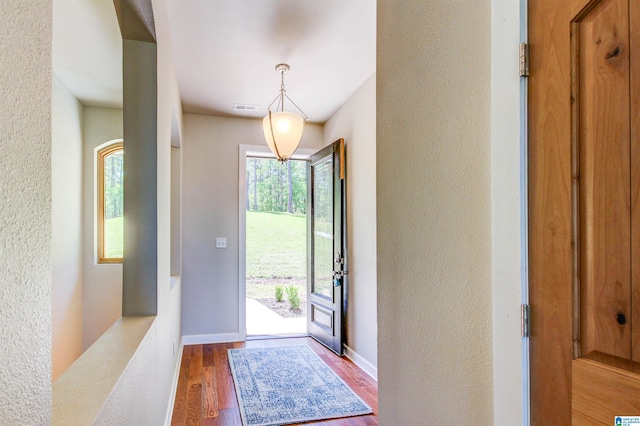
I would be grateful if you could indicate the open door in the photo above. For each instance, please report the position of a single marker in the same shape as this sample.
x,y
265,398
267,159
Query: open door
x,y
326,246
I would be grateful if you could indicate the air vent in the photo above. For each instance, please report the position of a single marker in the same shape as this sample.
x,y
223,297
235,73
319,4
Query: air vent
x,y
245,107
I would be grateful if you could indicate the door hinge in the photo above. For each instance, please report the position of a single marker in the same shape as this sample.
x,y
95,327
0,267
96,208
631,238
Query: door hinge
x,y
524,60
525,320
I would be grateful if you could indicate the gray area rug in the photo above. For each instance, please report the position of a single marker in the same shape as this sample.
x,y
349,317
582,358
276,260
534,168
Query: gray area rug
x,y
289,384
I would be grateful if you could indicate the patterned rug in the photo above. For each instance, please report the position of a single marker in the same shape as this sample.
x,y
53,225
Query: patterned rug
x,y
289,384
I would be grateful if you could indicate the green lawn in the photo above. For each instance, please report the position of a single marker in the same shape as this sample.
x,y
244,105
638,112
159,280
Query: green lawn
x,y
113,232
276,245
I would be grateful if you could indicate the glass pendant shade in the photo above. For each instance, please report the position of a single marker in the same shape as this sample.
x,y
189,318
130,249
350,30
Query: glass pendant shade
x,y
283,132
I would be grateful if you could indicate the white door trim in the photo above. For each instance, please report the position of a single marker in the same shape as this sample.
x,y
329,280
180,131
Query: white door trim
x,y
509,208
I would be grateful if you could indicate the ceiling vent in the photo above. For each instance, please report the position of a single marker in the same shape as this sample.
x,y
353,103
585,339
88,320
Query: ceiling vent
x,y
245,107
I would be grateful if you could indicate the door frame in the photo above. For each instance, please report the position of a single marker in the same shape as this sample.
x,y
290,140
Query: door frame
x,y
508,213
244,152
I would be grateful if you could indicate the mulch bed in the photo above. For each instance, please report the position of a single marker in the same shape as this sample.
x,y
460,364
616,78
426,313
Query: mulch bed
x,y
283,308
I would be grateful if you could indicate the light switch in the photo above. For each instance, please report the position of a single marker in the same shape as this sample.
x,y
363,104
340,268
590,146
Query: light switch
x,y
221,242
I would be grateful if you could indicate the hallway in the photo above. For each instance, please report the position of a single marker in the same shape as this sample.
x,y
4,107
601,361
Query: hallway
x,y
206,393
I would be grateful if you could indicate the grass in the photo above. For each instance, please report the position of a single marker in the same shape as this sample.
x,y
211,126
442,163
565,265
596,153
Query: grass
x,y
113,232
276,254
276,246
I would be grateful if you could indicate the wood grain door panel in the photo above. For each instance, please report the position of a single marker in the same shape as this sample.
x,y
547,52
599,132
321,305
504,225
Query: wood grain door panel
x,y
602,53
584,210
634,82
601,392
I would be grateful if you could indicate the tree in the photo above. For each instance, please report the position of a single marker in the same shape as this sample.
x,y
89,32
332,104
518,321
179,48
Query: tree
x,y
255,193
290,186
114,185
276,187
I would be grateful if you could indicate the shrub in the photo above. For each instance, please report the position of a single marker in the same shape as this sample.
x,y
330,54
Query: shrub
x,y
279,293
292,296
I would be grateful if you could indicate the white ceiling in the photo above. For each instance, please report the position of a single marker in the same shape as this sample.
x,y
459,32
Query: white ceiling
x,y
226,51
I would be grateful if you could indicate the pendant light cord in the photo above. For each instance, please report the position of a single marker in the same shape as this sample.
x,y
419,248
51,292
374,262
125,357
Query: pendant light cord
x,y
282,90
279,100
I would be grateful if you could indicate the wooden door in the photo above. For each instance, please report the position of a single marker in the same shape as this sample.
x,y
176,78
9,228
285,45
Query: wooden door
x,y
326,246
584,210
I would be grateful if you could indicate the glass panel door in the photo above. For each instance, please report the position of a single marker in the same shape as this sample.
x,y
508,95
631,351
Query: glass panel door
x,y
327,276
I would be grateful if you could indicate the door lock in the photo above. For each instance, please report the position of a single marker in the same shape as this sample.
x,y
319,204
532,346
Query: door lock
x,y
337,277
339,272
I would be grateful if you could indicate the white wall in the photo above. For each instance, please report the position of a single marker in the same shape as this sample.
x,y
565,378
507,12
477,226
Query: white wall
x,y
102,283
176,211
355,121
210,210
434,212
25,212
66,236
142,395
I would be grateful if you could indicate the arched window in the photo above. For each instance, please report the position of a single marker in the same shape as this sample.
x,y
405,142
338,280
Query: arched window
x,y
110,180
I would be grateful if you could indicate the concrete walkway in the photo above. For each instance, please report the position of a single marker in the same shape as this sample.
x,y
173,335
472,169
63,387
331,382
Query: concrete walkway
x,y
262,321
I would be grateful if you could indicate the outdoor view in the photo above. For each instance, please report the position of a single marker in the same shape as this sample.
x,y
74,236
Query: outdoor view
x,y
113,204
323,228
276,237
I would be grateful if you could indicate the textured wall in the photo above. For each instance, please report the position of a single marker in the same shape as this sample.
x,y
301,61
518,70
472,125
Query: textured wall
x,y
356,122
138,398
102,283
25,212
433,209
66,220
210,210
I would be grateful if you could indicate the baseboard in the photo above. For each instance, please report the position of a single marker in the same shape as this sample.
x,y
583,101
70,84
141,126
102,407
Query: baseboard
x,y
365,365
202,339
174,387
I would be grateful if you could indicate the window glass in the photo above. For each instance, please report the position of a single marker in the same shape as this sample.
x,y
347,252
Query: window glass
x,y
110,203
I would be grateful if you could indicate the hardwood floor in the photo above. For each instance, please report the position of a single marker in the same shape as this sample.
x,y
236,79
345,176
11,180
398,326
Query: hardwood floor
x,y
206,394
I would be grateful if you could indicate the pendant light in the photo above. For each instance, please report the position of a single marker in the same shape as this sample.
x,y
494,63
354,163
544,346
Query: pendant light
x,y
283,130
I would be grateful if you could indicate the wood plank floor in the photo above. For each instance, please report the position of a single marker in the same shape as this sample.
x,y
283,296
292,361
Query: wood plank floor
x,y
206,394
